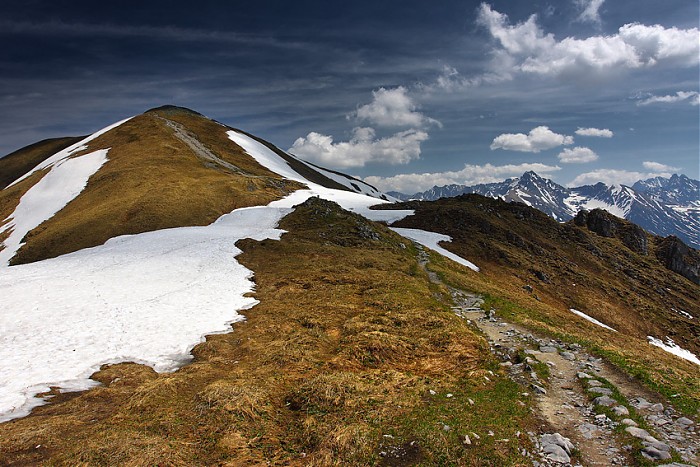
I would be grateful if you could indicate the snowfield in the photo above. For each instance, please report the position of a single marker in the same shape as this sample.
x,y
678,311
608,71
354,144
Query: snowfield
x,y
675,349
147,298
431,240
591,319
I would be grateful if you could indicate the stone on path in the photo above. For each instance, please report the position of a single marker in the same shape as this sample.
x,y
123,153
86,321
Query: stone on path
x,y
628,422
594,383
641,403
556,454
638,432
654,454
599,390
548,349
556,447
605,401
685,422
568,356
621,410
557,439
583,375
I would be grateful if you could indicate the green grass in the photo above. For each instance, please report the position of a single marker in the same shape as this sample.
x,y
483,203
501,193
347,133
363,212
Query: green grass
x,y
498,407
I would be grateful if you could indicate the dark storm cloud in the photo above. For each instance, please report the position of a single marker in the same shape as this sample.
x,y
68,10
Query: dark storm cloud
x,y
285,69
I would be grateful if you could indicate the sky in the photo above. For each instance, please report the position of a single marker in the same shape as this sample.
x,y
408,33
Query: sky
x,y
403,94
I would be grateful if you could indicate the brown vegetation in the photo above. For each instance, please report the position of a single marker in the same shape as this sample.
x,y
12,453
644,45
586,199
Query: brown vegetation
x,y
152,181
535,269
335,366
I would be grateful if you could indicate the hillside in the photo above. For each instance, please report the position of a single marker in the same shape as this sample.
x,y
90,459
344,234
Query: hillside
x,y
184,293
616,274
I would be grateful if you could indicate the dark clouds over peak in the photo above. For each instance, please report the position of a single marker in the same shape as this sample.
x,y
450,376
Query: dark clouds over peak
x,y
284,70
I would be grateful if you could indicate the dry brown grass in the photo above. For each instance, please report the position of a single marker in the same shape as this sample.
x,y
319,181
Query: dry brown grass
x,y
292,385
600,276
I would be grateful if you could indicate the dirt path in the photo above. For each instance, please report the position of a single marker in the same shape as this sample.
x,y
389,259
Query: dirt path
x,y
582,399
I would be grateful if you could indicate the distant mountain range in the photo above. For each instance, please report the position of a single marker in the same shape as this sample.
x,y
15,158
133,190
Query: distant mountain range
x,y
662,206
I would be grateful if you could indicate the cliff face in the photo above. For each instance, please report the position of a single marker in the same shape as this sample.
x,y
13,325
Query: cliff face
x,y
679,258
605,224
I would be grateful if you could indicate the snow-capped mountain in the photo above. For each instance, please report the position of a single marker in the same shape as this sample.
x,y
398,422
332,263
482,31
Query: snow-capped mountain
x,y
662,206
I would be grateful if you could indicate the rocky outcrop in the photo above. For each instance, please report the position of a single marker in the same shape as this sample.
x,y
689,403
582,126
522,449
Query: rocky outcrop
x,y
679,257
606,225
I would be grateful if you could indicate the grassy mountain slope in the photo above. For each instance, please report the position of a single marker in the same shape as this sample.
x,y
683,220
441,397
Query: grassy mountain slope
x,y
333,367
535,269
168,167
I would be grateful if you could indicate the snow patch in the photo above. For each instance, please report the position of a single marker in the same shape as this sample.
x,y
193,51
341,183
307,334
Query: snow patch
x,y
611,208
356,202
592,320
685,314
66,179
431,240
147,298
675,349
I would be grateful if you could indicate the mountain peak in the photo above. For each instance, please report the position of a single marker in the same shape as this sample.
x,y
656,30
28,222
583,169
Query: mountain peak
x,y
170,109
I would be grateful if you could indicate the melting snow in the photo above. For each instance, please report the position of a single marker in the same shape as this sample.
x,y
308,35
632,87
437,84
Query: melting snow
x,y
65,181
597,204
592,320
351,201
674,348
147,298
431,240
685,314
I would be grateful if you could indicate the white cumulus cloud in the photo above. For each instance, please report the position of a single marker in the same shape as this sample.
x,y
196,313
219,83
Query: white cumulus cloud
x,y
659,167
692,97
613,177
596,132
526,48
589,10
392,108
577,155
536,140
469,175
362,148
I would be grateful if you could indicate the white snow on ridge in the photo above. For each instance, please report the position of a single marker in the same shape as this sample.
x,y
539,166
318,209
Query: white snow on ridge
x,y
674,348
591,319
356,202
431,240
66,179
72,149
611,208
